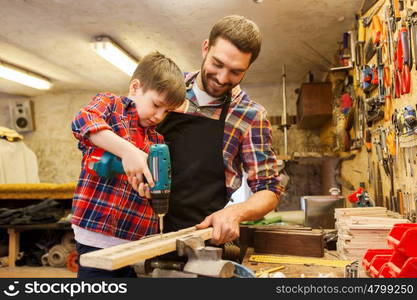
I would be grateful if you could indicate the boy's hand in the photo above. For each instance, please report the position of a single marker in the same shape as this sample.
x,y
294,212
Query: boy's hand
x,y
144,190
135,165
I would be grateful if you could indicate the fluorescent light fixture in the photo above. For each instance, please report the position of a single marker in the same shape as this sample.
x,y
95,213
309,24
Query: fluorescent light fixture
x,y
13,73
114,54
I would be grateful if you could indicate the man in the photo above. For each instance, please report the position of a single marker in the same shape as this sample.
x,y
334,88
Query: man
x,y
217,132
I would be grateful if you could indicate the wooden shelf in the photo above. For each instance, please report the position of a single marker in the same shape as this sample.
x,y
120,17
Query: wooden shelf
x,y
21,191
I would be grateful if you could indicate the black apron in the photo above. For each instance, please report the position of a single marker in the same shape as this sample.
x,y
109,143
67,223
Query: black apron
x,y
198,186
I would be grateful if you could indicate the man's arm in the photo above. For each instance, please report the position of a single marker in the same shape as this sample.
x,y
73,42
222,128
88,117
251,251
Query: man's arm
x,y
226,221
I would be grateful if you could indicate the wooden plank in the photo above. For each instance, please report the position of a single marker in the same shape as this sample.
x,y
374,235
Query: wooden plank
x,y
291,243
130,253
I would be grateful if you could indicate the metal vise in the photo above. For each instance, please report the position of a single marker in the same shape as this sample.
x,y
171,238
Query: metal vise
x,y
202,261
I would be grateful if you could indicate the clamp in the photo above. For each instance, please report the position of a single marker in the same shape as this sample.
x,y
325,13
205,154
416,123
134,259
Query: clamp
x,y
201,261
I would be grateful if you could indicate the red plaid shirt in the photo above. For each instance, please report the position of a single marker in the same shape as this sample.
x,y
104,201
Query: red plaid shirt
x,y
111,206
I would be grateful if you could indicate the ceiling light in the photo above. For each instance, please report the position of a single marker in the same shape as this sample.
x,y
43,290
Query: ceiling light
x,y
13,73
114,54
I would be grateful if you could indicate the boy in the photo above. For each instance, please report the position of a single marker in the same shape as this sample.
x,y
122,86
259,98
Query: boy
x,y
108,212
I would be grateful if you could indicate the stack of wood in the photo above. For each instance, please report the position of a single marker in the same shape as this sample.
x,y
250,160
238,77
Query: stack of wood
x,y
363,228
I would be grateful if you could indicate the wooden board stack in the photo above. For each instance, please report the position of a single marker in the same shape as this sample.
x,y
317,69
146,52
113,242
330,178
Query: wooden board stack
x,y
363,228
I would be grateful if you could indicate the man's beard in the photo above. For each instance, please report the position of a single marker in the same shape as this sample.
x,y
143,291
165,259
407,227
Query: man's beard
x,y
203,75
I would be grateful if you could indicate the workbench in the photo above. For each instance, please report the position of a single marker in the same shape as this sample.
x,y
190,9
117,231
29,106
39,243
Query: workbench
x,y
300,270
15,195
14,236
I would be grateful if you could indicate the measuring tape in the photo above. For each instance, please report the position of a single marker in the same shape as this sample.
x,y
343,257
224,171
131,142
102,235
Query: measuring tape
x,y
298,260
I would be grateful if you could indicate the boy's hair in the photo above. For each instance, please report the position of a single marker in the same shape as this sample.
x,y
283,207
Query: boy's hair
x,y
241,32
157,72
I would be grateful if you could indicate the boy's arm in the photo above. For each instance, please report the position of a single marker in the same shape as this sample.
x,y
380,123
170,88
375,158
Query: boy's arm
x,y
133,159
90,127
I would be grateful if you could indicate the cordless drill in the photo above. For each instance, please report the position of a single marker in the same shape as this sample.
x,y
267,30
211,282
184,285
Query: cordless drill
x,y
108,165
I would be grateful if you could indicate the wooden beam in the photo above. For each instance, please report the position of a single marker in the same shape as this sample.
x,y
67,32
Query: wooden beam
x,y
130,253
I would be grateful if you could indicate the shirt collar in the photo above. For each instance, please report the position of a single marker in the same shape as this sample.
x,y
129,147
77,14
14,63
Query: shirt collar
x,y
190,79
127,102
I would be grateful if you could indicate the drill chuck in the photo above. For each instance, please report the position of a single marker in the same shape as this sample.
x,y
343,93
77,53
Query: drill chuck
x,y
160,202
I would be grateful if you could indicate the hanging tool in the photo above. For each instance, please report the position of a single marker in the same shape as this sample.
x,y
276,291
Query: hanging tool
x,y
409,24
108,165
379,192
381,149
360,197
369,79
397,130
373,110
360,44
413,33
387,94
396,11
369,18
376,29
400,198
369,50
284,124
380,75
410,120
368,146
405,71
387,14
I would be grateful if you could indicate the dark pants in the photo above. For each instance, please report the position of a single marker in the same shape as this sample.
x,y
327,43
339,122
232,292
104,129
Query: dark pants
x,y
87,272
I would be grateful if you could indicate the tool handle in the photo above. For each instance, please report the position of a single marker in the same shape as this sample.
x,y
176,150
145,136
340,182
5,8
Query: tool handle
x,y
405,45
109,166
378,151
160,166
361,32
368,140
396,6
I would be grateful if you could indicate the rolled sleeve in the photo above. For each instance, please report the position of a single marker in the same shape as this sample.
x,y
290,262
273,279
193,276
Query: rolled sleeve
x,y
92,118
258,157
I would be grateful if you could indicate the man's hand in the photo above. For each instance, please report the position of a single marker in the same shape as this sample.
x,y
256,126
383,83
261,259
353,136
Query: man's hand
x,y
225,224
226,221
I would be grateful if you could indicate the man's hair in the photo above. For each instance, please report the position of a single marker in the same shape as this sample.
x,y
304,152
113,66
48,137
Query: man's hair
x,y
243,33
157,72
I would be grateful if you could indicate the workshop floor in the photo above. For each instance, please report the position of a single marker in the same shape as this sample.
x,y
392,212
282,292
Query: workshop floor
x,y
36,272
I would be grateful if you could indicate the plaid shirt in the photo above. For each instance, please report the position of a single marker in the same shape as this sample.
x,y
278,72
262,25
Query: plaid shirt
x,y
247,141
111,206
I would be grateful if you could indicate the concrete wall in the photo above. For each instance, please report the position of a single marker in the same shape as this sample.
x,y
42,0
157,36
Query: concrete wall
x,y
52,141
270,96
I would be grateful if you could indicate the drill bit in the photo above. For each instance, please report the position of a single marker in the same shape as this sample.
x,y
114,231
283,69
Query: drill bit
x,y
161,224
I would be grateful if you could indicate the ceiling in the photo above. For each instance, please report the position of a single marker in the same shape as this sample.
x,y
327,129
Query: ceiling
x,y
51,37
